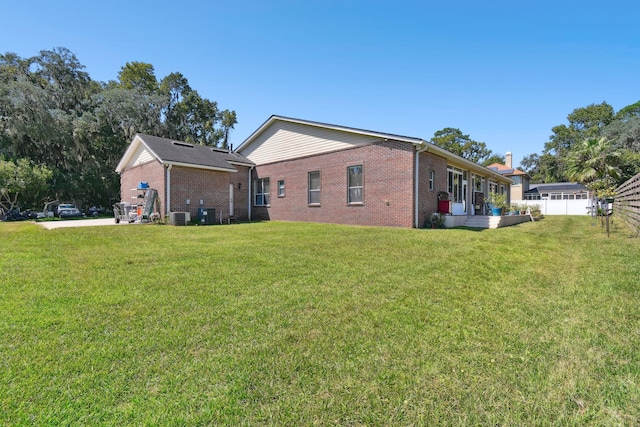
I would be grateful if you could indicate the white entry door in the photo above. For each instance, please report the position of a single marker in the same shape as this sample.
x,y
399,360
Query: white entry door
x,y
231,204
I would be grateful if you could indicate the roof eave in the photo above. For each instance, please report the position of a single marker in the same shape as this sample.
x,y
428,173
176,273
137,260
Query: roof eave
x,y
471,165
194,166
417,142
128,153
126,158
240,163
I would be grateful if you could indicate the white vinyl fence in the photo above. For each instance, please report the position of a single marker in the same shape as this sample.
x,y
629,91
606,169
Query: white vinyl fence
x,y
560,207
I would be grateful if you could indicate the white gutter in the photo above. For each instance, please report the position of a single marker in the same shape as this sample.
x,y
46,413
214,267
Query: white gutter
x,y
419,149
194,166
168,208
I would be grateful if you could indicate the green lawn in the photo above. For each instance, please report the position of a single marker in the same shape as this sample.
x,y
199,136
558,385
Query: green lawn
x,y
310,324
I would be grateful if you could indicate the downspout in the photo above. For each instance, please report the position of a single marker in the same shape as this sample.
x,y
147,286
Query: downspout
x,y
419,149
168,207
249,181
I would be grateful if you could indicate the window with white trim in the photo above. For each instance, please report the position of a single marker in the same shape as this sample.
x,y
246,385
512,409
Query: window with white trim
x,y
493,186
314,188
478,183
261,192
354,184
281,188
432,177
456,183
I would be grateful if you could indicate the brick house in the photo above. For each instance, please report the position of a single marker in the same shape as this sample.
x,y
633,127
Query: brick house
x,y
318,172
187,176
520,179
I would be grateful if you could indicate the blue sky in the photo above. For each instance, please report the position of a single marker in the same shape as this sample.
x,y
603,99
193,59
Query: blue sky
x,y
503,72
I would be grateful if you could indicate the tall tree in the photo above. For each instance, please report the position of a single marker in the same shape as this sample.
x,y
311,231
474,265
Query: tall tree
x,y
624,131
629,111
454,141
53,114
175,86
625,134
584,123
59,72
107,130
227,121
22,182
194,120
592,119
494,158
138,75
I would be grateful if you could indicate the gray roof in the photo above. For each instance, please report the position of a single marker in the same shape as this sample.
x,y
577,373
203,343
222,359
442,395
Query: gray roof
x,y
172,151
502,171
556,186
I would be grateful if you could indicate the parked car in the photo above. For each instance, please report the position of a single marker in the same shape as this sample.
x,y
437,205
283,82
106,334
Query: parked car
x,y
68,210
17,215
94,211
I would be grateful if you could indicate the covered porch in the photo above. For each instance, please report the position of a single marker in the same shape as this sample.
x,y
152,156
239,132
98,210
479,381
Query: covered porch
x,y
466,201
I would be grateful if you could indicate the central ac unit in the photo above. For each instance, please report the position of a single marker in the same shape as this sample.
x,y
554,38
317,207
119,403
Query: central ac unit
x,y
178,218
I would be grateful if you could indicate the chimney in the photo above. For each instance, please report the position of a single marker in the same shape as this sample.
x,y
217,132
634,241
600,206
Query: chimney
x,y
508,160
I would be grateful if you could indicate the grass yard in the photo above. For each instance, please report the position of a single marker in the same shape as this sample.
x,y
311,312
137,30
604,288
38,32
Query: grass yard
x,y
311,324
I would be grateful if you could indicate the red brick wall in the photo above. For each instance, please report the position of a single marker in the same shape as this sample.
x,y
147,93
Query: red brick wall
x,y
152,172
428,201
212,187
241,195
387,195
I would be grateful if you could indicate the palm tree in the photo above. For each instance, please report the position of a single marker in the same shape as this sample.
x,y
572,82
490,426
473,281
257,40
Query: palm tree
x,y
594,163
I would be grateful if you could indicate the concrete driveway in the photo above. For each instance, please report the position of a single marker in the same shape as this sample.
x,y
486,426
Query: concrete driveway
x,y
95,222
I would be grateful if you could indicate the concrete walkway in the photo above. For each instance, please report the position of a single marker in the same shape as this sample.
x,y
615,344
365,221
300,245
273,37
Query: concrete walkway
x,y
80,223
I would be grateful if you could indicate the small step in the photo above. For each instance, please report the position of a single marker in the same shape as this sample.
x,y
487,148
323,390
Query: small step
x,y
482,221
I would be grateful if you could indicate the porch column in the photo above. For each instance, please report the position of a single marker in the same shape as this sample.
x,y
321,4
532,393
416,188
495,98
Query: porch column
x,y
485,190
469,196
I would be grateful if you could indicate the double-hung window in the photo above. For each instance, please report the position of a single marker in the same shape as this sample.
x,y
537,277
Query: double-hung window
x,y
432,177
281,188
314,188
354,190
261,191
